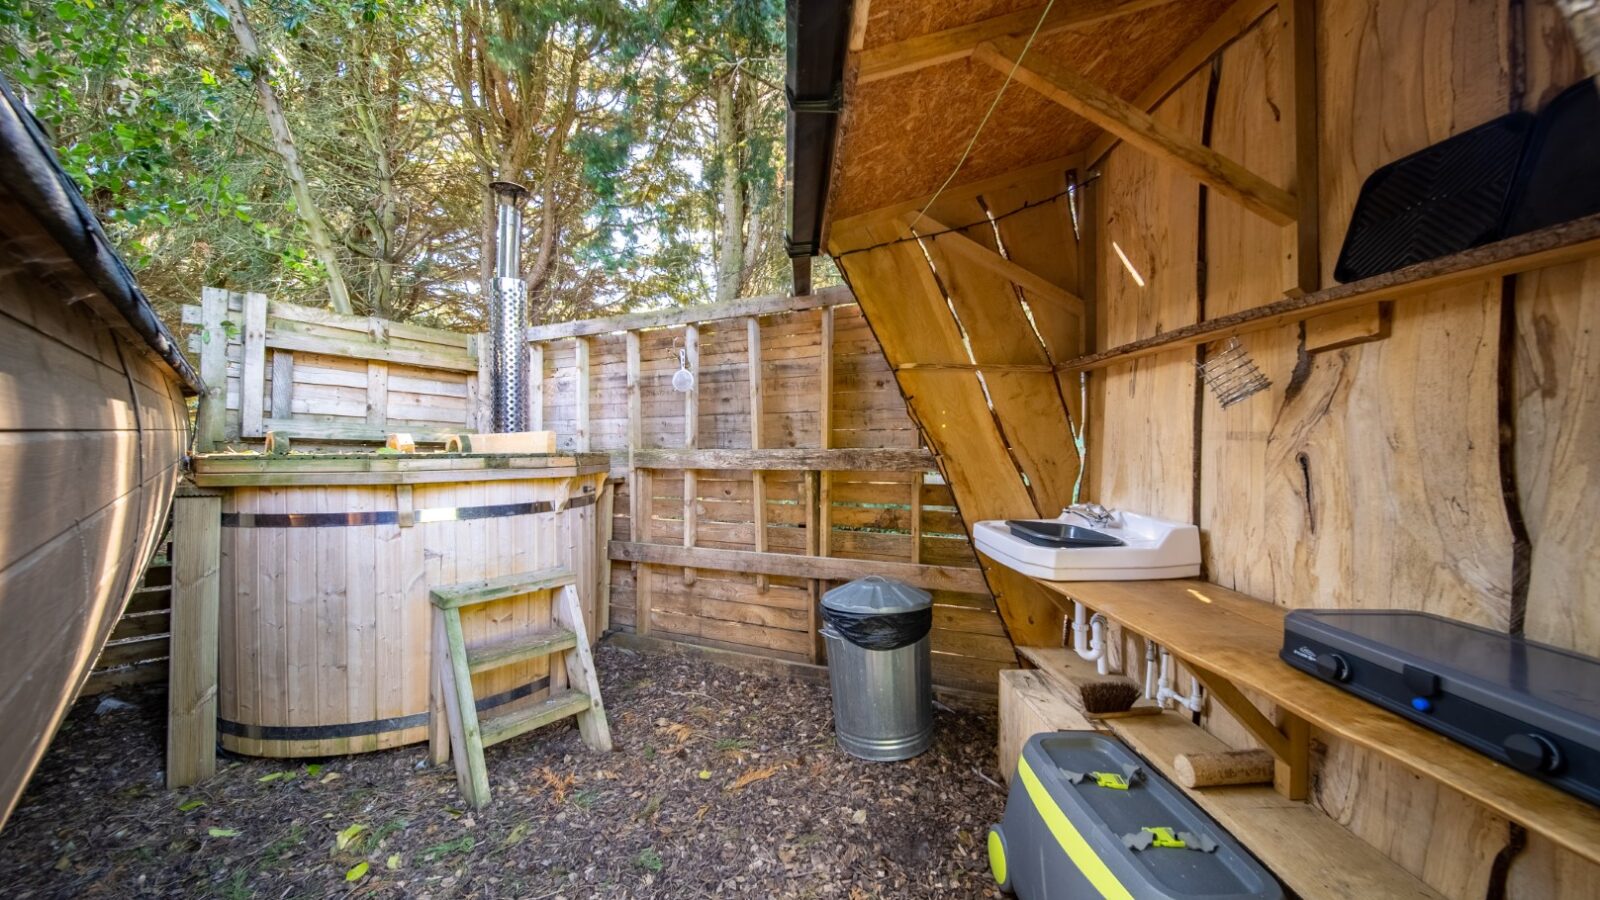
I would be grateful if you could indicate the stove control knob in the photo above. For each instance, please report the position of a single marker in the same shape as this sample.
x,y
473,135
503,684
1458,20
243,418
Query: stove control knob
x,y
1333,667
1532,753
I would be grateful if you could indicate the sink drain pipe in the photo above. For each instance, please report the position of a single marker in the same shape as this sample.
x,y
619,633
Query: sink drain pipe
x,y
1088,637
1164,692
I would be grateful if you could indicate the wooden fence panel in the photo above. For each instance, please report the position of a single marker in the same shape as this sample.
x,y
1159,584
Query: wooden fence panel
x,y
325,378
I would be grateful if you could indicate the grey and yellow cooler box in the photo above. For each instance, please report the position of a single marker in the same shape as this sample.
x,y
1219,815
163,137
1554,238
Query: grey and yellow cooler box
x,y
1087,818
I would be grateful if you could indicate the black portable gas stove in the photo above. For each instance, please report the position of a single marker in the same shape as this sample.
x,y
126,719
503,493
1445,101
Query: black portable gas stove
x,y
1529,705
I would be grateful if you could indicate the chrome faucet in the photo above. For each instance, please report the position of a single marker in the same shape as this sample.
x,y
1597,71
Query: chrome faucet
x,y
1093,513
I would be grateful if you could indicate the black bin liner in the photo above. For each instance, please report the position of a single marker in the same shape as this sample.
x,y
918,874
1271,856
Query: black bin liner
x,y
880,631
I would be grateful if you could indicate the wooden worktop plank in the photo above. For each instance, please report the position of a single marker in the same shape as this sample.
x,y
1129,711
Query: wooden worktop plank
x,y
1238,637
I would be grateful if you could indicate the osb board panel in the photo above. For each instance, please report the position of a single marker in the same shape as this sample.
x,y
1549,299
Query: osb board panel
x,y
889,21
904,135
1145,420
1557,390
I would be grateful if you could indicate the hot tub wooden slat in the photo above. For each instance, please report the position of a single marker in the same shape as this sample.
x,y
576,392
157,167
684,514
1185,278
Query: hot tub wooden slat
x,y
326,608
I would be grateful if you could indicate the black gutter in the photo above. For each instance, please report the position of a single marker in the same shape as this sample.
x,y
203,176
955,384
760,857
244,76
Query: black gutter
x,y
818,35
30,171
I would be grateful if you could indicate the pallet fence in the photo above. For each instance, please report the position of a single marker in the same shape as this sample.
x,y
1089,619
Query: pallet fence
x,y
735,506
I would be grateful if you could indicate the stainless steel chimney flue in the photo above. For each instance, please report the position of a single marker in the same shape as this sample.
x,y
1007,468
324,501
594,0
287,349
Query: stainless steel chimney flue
x,y
508,314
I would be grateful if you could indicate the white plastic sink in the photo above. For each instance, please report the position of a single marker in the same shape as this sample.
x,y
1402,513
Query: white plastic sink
x,y
1152,548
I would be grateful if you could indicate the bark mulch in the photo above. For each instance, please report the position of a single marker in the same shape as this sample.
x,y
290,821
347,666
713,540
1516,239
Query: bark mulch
x,y
724,783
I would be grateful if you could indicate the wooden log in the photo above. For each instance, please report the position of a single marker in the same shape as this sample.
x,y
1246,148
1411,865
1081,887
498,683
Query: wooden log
x,y
1211,769
192,668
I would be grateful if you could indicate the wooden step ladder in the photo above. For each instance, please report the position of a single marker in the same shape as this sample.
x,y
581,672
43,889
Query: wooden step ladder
x,y
455,662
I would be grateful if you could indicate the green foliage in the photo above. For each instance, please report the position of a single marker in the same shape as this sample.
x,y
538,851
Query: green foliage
x,y
402,111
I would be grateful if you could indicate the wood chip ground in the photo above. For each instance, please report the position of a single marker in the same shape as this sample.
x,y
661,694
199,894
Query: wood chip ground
x,y
724,784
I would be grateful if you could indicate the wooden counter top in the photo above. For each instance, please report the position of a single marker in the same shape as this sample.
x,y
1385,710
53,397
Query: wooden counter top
x,y
252,470
1236,638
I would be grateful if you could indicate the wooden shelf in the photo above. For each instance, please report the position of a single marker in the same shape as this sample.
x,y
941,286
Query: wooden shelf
x,y
1234,638
1311,853
1570,241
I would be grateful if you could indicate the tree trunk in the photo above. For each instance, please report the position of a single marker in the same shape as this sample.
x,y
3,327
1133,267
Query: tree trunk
x,y
283,142
730,258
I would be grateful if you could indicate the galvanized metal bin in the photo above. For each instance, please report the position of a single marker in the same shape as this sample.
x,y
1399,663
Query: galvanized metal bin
x,y
880,669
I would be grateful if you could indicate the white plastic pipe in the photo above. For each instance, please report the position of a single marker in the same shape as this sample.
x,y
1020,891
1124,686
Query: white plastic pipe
x,y
1149,670
1165,693
1088,637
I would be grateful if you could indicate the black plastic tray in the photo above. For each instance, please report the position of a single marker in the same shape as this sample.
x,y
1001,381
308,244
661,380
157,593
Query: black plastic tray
x,y
1449,197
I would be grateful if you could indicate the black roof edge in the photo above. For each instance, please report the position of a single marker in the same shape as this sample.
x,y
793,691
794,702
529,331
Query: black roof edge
x,y
818,34
32,173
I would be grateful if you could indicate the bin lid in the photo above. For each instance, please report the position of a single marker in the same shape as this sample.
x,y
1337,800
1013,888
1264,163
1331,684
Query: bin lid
x,y
875,594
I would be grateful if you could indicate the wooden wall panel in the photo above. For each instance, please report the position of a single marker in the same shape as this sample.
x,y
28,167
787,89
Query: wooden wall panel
x,y
1144,420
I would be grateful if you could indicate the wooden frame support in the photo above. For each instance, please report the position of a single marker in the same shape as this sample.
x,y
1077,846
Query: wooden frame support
x,y
792,565
691,440
584,431
1037,286
210,418
1290,747
758,408
1139,129
192,670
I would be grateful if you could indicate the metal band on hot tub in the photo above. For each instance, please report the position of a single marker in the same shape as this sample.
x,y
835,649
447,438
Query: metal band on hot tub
x,y
392,517
361,729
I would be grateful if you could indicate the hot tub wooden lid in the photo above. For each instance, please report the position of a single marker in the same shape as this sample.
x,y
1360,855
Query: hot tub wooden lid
x,y
252,470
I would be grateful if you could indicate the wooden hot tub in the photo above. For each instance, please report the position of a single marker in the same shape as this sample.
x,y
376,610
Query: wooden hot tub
x,y
324,634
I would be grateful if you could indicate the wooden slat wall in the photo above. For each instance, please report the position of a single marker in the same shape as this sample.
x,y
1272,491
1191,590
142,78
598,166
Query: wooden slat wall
x,y
320,378
358,391
870,513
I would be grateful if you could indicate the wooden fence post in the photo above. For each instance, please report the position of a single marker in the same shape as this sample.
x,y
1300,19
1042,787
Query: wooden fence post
x,y
758,408
213,369
192,668
691,440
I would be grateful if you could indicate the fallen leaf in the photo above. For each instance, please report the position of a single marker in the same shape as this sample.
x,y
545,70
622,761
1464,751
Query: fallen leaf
x,y
701,812
357,872
329,777
223,832
191,805
275,776
860,817
705,774
394,861
348,835
753,776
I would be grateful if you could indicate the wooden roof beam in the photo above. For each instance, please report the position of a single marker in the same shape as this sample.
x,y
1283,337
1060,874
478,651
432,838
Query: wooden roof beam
x,y
960,245
951,44
1139,129
1234,21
